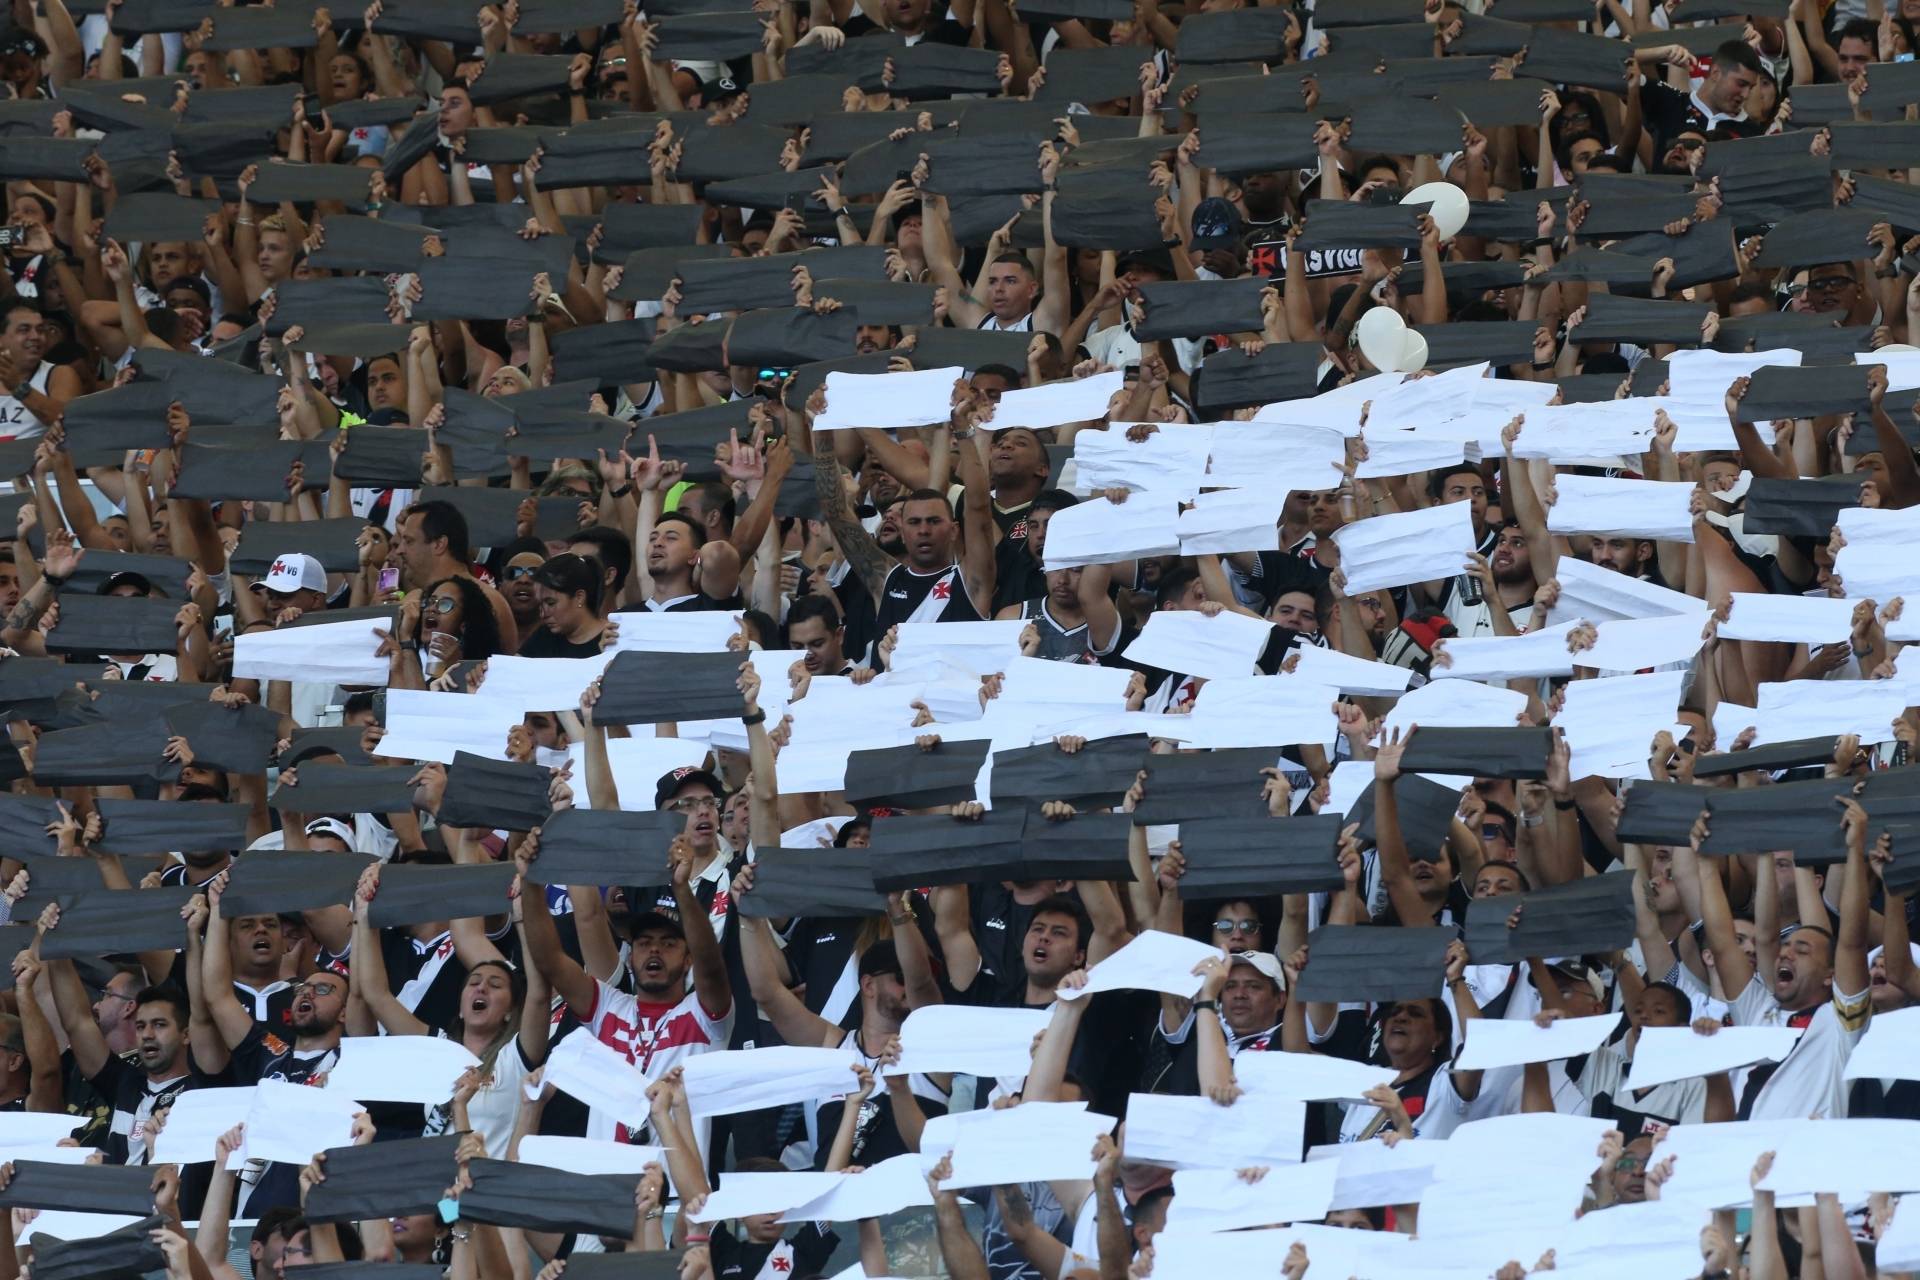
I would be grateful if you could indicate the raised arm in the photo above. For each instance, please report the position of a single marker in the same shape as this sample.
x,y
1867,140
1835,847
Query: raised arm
x,y
1850,976
710,982
855,543
573,983
1716,917
216,973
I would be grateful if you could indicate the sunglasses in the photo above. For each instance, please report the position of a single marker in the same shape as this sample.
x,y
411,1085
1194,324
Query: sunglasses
x,y
1240,926
515,572
442,605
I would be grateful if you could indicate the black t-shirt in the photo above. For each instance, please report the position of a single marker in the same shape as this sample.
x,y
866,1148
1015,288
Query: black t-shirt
x,y
134,1099
905,591
810,1249
1668,112
545,644
266,1055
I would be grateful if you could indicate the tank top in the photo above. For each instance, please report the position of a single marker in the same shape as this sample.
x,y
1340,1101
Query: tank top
x,y
1057,643
17,422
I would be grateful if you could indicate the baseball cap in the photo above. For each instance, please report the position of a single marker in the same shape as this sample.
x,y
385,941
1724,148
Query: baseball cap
x,y
672,780
1265,963
721,89
647,921
126,578
1216,224
22,41
1580,973
881,957
335,828
293,573
1155,260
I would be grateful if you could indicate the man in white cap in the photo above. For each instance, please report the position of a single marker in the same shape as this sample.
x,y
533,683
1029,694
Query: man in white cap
x,y
294,585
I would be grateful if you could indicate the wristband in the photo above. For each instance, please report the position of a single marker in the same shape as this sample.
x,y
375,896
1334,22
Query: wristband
x,y
758,717
692,1239
1562,805
1207,1004
621,492
53,582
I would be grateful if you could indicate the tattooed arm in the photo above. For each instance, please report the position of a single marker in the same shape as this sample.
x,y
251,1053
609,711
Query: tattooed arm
x,y
855,543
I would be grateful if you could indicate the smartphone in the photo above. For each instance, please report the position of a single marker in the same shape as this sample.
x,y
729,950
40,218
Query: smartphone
x,y
797,202
389,581
9,236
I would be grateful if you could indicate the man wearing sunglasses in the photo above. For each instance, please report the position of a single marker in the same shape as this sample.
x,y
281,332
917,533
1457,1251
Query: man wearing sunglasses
x,y
1829,289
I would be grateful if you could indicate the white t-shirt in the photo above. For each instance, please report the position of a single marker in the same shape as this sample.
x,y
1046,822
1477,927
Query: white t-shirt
x,y
655,1039
1810,1080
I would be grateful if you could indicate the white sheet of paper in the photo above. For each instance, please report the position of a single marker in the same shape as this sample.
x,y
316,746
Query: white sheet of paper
x,y
1852,1157
879,1190
1877,572
419,1069
1419,401
1792,709
1560,1144
1183,1131
1351,675
1153,961
1513,1042
424,725
977,647
734,1080
1054,404
1457,704
1226,521
37,1128
53,1155
1696,372
1460,1225
1610,722
1890,1050
1118,724
1758,615
196,1120
1593,594
1571,433
1015,1145
1337,410
1655,1238
1392,452
1221,1200
1191,643
1098,531
1681,1053
889,401
743,1194
598,1075
588,1155
727,733
539,684
1407,547
704,632
942,1132
1261,454
290,1123
1172,459
1039,680
1622,508
1264,711
974,1041
1348,782
1307,1077
1626,645
1903,367
1712,1163
1879,526
1341,1252
323,653
1532,653
1372,1174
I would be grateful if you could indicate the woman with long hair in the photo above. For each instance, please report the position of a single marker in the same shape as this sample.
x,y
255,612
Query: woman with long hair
x,y
502,1020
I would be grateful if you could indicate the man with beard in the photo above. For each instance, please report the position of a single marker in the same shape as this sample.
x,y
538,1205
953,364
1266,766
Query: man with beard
x,y
895,977
1503,579
666,1020
163,1066
226,1037
814,627
871,338
930,583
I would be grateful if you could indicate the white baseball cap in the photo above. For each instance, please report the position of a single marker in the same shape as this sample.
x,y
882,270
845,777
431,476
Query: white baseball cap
x,y
293,573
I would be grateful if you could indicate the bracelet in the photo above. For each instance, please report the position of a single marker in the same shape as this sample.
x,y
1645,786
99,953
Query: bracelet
x,y
55,583
1562,805
461,1237
245,222
657,1213
621,492
758,717
1207,1004
900,921
693,1239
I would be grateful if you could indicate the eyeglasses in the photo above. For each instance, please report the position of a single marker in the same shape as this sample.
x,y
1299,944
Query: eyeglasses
x,y
694,804
1690,144
318,990
1627,1164
1236,926
443,605
115,995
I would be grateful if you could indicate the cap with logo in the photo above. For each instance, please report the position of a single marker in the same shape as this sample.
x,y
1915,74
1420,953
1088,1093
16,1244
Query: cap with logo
x,y
672,780
1265,963
1216,224
293,573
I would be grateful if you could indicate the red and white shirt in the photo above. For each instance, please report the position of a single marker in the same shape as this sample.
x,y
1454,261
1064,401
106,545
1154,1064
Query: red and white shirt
x,y
654,1037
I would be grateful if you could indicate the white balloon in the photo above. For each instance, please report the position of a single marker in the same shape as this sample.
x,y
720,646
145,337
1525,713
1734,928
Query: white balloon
x,y
1446,204
1413,354
1381,334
